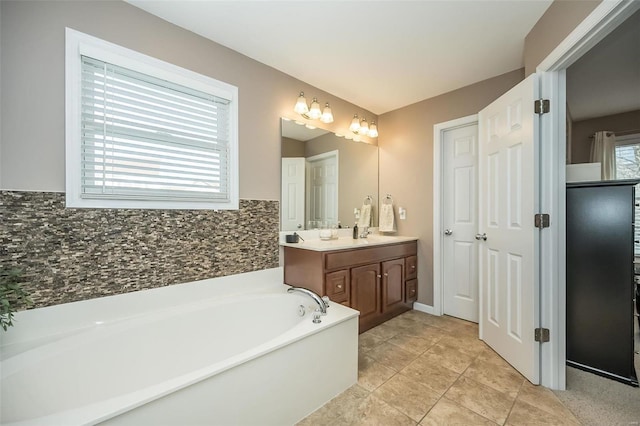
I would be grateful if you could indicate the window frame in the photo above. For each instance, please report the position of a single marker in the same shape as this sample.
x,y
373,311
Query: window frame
x,y
78,44
626,140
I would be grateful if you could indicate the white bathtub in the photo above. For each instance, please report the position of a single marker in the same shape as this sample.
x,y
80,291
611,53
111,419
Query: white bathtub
x,y
231,350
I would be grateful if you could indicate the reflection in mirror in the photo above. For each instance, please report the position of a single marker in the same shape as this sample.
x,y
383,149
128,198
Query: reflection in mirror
x,y
325,178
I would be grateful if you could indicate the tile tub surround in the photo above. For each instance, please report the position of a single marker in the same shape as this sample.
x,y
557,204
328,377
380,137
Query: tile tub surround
x,y
428,370
77,254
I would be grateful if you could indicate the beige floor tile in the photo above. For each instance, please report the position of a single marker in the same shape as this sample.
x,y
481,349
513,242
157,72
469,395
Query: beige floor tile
x,y
435,376
544,399
449,357
503,379
447,412
481,399
489,355
391,356
373,411
526,414
403,322
371,373
431,334
385,331
412,344
407,396
470,345
367,341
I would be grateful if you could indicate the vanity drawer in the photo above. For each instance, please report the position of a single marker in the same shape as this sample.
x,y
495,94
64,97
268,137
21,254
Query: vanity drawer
x,y
363,256
337,286
411,291
411,267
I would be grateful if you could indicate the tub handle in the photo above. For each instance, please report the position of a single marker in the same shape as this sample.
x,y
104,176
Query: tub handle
x,y
326,300
316,316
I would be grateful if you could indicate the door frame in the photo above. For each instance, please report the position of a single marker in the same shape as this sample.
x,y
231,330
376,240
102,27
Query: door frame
x,y
438,241
602,20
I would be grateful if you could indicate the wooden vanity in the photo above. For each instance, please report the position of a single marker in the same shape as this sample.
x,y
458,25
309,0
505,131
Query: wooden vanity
x,y
377,277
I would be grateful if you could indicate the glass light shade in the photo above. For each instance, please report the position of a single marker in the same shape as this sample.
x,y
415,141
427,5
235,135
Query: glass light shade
x,y
355,124
327,116
310,126
348,136
301,105
373,130
314,112
364,127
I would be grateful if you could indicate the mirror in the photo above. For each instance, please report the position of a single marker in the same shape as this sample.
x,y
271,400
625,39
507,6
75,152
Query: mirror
x,y
324,178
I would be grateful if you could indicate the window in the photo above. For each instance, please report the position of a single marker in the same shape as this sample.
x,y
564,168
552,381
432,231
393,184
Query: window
x,y
628,167
142,133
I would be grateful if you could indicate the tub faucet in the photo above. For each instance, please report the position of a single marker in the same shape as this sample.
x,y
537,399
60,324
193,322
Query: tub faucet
x,y
322,304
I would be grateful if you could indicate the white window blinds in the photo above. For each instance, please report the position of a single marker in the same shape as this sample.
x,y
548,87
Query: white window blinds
x,y
145,138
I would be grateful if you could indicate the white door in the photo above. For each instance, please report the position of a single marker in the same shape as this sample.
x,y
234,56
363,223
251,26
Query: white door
x,y
460,221
508,199
292,204
322,188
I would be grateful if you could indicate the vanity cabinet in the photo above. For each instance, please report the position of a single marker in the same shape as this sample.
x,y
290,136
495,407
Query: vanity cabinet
x,y
379,281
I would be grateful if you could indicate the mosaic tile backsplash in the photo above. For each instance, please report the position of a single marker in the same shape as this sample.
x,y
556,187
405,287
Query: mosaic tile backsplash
x,y
77,254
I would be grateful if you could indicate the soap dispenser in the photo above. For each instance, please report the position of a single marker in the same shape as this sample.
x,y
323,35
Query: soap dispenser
x,y
355,231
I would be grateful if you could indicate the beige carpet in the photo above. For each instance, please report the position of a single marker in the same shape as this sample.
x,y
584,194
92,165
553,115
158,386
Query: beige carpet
x,y
599,401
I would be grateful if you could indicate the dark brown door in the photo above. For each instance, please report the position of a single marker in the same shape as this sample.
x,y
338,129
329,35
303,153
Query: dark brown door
x,y
337,285
392,285
365,292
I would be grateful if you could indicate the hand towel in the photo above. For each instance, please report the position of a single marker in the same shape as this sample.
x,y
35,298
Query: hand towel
x,y
387,222
365,216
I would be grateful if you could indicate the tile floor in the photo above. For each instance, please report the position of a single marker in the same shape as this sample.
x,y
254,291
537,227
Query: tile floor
x,y
423,369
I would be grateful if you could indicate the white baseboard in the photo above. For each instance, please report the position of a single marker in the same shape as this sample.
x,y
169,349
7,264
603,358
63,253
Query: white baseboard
x,y
424,308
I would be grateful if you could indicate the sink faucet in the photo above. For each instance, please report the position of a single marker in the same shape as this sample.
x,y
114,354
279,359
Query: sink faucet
x,y
365,232
322,303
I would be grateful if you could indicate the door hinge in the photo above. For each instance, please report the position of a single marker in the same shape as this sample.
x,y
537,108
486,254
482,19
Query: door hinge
x,y
541,220
541,335
541,106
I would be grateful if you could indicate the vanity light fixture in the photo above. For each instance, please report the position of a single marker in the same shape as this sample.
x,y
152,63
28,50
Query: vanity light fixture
x,y
361,127
313,112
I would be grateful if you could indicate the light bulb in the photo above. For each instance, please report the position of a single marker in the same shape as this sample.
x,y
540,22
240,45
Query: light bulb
x,y
327,116
301,105
373,130
314,112
364,127
355,124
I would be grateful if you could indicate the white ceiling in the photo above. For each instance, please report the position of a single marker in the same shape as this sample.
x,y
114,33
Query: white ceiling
x,y
606,80
379,55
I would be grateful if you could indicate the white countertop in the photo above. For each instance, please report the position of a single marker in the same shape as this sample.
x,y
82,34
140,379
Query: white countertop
x,y
347,242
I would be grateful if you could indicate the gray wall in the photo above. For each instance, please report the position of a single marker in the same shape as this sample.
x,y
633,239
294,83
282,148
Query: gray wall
x,y
562,17
406,160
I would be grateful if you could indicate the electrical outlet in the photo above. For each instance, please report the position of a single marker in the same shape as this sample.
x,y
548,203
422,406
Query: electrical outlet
x,y
403,213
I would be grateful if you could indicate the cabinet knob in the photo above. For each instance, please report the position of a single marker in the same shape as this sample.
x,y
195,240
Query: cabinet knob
x,y
386,275
413,266
379,276
339,286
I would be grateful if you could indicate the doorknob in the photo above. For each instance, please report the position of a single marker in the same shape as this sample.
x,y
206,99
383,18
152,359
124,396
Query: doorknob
x,y
481,237
448,232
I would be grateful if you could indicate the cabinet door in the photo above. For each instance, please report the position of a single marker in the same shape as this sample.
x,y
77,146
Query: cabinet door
x,y
365,291
337,286
392,285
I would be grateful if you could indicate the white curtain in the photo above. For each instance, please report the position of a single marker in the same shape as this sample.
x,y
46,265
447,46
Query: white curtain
x,y
603,151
